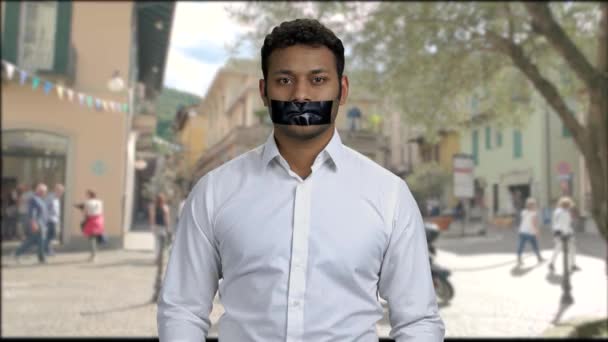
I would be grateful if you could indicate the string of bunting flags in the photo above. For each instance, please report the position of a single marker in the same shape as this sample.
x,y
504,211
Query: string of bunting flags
x,y
62,91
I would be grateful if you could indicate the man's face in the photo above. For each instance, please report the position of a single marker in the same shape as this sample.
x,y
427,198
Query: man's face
x,y
41,190
303,73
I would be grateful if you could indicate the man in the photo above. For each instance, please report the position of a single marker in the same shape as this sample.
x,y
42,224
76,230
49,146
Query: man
x,y
36,224
303,232
53,203
562,226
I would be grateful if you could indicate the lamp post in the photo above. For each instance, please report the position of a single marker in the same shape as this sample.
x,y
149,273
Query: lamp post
x,y
566,286
117,85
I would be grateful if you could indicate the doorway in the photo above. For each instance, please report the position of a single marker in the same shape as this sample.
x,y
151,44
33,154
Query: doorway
x,y
28,157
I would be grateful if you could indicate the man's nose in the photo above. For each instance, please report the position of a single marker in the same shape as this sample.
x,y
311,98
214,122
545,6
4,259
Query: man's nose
x,y
301,92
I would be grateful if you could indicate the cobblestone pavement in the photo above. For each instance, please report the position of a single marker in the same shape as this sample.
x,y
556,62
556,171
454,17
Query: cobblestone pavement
x,y
71,297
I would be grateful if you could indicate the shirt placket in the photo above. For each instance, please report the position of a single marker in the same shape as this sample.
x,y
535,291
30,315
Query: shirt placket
x,y
298,265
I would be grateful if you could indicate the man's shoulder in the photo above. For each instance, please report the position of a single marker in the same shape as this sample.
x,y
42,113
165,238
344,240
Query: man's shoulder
x,y
358,161
238,165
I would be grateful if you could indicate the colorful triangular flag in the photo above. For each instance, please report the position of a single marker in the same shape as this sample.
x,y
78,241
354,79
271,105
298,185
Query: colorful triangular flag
x,y
70,93
97,104
60,92
81,98
47,87
22,76
10,69
35,82
105,106
89,101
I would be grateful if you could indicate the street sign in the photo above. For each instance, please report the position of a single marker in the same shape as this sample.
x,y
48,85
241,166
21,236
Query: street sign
x,y
463,168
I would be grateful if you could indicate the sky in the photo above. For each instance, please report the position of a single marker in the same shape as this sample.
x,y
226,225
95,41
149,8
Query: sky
x,y
197,50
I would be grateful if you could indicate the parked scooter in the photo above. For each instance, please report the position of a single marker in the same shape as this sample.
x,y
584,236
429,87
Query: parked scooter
x,y
443,288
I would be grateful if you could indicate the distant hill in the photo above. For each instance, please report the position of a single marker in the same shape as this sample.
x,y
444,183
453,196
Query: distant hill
x,y
167,104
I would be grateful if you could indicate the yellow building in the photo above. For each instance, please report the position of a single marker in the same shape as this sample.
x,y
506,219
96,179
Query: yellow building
x,y
190,131
441,153
78,47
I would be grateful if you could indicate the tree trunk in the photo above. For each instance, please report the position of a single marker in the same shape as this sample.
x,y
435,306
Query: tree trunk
x,y
590,138
597,163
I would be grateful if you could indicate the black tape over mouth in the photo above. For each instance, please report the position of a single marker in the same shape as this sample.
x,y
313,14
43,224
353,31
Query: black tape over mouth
x,y
301,113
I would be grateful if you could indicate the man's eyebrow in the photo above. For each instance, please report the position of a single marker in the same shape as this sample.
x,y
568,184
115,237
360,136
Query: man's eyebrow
x,y
317,71
289,72
283,71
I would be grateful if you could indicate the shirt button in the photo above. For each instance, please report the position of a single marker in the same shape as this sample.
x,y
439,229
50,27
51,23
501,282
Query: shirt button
x,y
295,303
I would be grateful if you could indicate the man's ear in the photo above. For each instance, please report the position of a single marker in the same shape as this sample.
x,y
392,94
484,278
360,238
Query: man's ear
x,y
344,92
262,86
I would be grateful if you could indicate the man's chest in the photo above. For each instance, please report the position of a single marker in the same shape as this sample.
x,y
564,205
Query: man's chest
x,y
333,233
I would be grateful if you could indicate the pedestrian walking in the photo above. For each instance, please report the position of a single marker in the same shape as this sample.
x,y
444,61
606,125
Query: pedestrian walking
x,y
158,217
10,217
529,230
304,233
23,196
93,223
53,202
562,226
35,230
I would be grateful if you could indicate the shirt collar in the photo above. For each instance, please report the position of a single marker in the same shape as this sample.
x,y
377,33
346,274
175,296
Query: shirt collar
x,y
334,149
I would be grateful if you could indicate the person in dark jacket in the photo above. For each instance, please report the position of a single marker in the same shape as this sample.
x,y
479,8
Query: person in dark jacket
x,y
35,230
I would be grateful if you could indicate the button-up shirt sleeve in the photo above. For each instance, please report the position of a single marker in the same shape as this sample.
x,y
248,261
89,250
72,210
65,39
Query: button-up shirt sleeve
x,y
405,278
191,279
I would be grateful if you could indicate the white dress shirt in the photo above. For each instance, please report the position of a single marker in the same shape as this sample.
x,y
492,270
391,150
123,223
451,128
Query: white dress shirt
x,y
299,259
54,207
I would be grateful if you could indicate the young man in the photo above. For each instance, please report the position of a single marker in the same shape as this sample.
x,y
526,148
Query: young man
x,y
303,232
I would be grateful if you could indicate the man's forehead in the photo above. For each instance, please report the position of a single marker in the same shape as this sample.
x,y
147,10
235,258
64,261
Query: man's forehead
x,y
302,58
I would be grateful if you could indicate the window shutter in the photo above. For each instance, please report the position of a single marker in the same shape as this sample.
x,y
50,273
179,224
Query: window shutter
x,y
11,31
62,36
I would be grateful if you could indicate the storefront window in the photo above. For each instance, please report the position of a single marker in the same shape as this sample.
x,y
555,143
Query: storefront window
x,y
32,156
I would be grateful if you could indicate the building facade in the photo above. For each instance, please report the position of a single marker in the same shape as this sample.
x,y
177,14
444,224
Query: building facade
x,y
442,153
537,158
78,47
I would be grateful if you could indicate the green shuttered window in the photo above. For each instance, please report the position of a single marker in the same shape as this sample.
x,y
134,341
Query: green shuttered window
x,y
11,34
517,144
62,36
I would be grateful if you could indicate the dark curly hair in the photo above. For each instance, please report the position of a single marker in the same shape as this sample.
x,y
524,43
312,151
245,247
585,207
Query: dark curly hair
x,y
302,31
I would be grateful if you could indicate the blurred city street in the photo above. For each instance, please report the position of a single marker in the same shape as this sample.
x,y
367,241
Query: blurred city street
x,y
71,297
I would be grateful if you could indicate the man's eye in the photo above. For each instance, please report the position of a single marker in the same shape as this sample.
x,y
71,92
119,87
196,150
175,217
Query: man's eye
x,y
318,80
284,80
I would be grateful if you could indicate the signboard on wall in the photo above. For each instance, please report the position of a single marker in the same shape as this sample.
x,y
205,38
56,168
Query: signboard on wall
x,y
463,168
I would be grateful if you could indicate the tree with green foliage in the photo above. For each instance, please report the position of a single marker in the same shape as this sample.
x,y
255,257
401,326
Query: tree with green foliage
x,y
431,59
167,104
428,181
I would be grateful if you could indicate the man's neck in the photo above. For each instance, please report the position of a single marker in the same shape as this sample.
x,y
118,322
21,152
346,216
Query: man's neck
x,y
300,155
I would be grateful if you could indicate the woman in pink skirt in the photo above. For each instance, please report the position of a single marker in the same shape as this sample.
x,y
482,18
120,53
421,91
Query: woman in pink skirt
x,y
92,226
